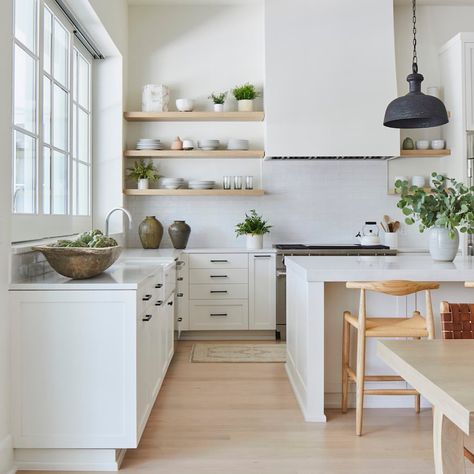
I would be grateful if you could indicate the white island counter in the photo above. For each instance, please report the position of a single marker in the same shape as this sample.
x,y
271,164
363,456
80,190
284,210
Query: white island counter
x,y
316,299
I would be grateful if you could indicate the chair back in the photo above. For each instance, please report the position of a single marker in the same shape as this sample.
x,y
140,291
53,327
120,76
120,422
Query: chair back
x,y
457,320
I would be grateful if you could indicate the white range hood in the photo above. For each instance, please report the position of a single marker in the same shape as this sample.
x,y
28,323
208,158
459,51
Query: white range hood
x,y
329,75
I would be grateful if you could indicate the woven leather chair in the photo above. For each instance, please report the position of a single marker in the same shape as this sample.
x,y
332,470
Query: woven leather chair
x,y
457,322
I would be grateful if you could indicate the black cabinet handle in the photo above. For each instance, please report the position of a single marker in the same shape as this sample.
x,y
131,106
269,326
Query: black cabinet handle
x,y
218,291
262,256
180,278
219,276
179,295
179,320
159,303
146,298
218,314
147,317
170,303
159,285
219,261
179,262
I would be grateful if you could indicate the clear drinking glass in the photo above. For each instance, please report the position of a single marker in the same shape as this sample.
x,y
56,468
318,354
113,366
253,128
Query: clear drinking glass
x,y
227,182
237,182
249,182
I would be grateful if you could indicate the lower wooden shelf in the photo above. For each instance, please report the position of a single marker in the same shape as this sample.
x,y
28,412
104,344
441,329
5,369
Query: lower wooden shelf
x,y
393,192
194,192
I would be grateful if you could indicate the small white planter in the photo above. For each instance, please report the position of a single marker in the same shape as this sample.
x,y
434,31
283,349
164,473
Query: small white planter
x,y
245,105
218,107
254,242
143,184
390,239
442,247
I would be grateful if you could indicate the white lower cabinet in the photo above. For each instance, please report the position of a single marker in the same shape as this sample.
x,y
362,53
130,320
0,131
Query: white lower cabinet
x,y
262,291
229,291
87,365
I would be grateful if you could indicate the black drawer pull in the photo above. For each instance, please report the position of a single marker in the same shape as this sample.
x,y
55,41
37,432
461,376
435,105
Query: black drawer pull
x,y
179,319
147,317
219,261
219,276
170,303
180,278
262,256
218,314
159,303
218,291
146,298
158,285
179,295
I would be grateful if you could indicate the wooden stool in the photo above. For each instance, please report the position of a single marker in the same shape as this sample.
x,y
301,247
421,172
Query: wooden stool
x,y
415,327
457,322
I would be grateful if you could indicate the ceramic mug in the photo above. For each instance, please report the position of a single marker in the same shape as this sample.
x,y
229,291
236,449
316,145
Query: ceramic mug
x,y
184,105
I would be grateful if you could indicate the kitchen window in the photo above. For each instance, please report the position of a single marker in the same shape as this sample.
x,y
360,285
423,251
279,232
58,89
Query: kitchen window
x,y
51,124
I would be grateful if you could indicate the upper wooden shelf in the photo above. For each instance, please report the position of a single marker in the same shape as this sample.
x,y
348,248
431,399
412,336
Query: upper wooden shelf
x,y
194,116
194,192
194,153
425,153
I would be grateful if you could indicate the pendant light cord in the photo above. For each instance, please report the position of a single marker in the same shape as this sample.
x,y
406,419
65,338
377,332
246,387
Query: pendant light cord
x,y
414,65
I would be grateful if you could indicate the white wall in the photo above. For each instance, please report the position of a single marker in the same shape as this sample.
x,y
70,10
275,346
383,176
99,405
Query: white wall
x,y
6,452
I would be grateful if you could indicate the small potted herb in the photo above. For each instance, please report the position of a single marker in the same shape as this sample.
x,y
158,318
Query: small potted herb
x,y
143,172
254,228
245,94
447,207
218,99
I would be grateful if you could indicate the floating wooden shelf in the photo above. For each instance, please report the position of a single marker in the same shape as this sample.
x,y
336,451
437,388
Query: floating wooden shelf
x,y
392,191
194,192
195,153
194,116
425,153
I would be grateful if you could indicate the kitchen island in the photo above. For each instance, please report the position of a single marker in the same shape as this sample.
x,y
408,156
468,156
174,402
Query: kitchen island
x,y
316,298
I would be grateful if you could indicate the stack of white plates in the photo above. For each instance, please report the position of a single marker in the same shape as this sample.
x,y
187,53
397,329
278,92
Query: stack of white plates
x,y
171,183
149,144
208,144
201,184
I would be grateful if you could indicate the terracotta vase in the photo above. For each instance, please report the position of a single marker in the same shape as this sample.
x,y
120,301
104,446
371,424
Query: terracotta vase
x,y
177,144
150,232
179,233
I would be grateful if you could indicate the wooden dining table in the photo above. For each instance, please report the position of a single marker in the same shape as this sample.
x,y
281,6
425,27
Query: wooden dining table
x,y
443,372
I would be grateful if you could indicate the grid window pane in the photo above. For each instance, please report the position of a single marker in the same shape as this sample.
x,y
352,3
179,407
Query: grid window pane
x,y
83,79
48,40
83,136
61,53
83,190
24,197
25,23
25,90
60,118
60,183
46,180
46,110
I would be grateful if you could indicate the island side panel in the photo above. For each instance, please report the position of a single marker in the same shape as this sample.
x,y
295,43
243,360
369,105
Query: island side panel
x,y
305,344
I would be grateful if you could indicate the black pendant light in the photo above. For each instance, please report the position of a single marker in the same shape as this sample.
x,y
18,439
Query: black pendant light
x,y
415,110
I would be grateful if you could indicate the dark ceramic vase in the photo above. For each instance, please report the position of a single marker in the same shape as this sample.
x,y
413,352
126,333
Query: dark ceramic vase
x,y
151,232
179,233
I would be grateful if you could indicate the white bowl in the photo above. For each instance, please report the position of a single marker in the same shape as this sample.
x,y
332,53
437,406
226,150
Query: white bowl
x,y
437,144
422,144
184,105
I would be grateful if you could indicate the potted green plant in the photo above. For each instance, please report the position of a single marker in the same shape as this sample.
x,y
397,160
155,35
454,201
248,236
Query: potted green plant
x,y
143,172
218,99
445,210
254,228
245,94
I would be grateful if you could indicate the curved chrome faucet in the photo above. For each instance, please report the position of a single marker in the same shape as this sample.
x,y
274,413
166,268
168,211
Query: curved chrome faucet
x,y
107,217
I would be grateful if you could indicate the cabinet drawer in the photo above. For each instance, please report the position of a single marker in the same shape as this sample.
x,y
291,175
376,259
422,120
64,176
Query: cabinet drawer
x,y
218,260
218,276
215,315
145,295
218,292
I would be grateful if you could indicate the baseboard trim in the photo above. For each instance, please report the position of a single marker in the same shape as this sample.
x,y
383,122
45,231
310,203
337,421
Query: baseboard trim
x,y
227,335
6,456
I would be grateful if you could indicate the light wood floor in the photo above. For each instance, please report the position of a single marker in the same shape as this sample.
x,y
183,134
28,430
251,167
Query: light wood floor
x,y
243,418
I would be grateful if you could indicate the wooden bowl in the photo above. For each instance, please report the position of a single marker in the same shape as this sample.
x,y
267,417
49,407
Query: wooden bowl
x,y
79,263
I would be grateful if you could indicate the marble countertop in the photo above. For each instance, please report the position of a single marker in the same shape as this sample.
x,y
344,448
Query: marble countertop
x,y
400,267
133,267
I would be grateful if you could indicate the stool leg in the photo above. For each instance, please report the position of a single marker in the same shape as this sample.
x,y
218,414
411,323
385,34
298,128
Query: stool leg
x,y
417,403
360,375
346,334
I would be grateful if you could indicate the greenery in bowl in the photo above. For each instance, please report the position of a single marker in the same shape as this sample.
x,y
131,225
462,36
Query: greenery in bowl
x,y
91,239
143,170
253,225
245,92
449,204
218,97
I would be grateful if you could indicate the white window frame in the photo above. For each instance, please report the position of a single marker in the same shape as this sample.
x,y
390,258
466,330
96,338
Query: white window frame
x,y
26,227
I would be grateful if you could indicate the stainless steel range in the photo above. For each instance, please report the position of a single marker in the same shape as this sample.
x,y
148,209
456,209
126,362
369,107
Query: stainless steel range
x,y
284,250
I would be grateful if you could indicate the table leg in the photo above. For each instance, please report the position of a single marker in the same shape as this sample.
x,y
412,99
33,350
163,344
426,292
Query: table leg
x,y
448,445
